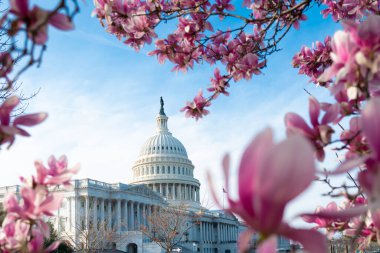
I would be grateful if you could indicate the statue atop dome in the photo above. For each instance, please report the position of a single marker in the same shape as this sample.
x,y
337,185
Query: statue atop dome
x,y
162,112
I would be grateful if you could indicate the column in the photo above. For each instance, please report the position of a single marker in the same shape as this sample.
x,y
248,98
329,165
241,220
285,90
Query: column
x,y
201,233
138,216
118,215
218,233
86,215
70,215
167,190
132,216
173,191
178,191
109,214
126,221
102,220
95,214
160,188
198,195
154,188
186,193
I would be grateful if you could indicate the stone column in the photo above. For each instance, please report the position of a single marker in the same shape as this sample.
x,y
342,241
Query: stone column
x,y
109,214
86,214
70,215
173,191
132,216
154,188
118,215
160,189
218,233
201,232
138,216
167,190
126,221
179,192
102,212
198,195
95,214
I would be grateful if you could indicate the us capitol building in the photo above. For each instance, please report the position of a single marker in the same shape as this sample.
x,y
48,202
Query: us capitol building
x,y
163,175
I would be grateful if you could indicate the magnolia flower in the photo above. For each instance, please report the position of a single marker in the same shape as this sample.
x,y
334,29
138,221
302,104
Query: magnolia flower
x,y
8,129
196,109
271,175
320,131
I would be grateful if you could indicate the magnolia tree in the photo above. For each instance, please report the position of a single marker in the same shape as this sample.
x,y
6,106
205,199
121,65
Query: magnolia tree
x,y
239,38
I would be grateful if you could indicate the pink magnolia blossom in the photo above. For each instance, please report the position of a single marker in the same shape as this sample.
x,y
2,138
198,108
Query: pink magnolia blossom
x,y
36,20
320,131
196,109
24,228
261,202
9,129
219,83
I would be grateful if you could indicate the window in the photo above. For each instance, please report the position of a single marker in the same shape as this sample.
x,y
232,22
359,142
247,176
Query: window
x,y
168,169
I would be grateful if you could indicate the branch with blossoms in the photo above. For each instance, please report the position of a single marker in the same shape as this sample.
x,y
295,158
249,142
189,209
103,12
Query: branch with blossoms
x,y
24,33
24,228
199,38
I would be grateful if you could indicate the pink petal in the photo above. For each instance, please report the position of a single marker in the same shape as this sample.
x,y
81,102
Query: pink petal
x,y
245,239
61,21
331,114
294,122
371,124
314,109
19,7
249,166
311,240
291,162
30,119
339,215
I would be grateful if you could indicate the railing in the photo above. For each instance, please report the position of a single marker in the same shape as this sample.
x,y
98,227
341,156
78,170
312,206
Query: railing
x,y
99,184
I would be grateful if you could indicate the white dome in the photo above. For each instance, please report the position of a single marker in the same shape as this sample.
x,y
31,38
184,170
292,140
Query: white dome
x,y
163,166
163,144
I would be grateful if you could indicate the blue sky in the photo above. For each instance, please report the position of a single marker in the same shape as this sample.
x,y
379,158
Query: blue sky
x,y
102,98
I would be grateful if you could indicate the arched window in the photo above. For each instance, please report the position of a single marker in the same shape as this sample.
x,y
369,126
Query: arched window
x,y
168,169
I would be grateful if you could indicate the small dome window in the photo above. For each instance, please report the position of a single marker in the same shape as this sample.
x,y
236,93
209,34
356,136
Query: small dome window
x,y
158,148
171,148
167,147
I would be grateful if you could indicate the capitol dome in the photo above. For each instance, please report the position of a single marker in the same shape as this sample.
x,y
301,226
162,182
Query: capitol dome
x,y
163,144
163,166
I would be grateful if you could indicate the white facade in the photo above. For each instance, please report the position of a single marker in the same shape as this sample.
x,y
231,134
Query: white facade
x,y
162,175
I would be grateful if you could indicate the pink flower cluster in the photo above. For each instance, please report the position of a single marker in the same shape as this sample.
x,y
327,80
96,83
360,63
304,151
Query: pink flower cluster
x,y
314,61
320,132
356,59
24,228
350,9
354,75
8,128
35,20
196,109
194,41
